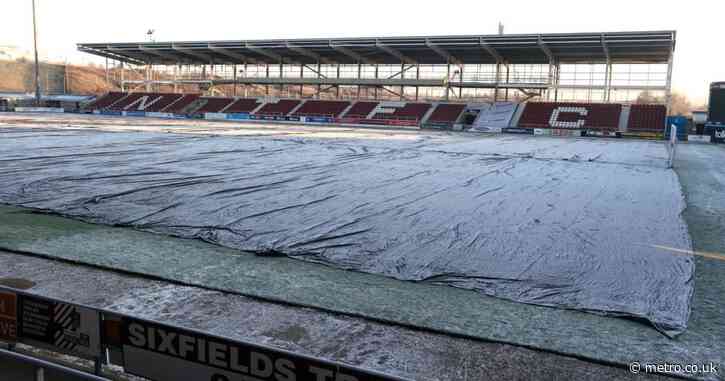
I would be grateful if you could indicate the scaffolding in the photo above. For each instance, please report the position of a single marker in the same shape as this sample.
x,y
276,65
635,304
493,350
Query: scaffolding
x,y
591,67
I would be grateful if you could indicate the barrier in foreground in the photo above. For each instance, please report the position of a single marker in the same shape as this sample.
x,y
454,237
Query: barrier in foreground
x,y
151,349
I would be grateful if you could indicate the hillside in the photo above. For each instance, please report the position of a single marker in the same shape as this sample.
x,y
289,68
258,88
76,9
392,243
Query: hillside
x,y
18,76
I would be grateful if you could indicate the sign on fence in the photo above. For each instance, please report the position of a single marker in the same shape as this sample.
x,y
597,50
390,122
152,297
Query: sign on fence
x,y
60,327
160,352
157,351
8,317
39,109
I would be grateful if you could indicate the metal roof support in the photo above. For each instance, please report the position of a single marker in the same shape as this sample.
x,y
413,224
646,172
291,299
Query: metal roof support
x,y
281,75
395,53
650,47
302,75
607,70
123,78
417,78
490,50
308,53
228,53
557,80
605,48
316,71
138,60
148,78
393,92
508,72
189,52
668,85
442,52
608,81
139,69
545,49
448,78
553,67
460,80
158,53
276,57
355,56
319,75
338,86
402,71
234,89
402,76
359,76
498,79
246,87
110,53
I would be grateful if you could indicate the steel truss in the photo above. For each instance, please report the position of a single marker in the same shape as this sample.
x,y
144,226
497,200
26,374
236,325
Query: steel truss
x,y
603,67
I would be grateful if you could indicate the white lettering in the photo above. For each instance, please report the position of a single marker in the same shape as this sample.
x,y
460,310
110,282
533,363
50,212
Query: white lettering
x,y
555,122
285,370
151,333
218,354
186,345
321,374
261,365
7,329
202,350
167,342
136,335
234,361
142,103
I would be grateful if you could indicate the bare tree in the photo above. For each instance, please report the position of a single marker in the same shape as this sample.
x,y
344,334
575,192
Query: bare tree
x,y
681,104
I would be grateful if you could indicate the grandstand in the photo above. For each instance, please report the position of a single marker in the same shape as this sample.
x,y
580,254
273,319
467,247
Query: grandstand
x,y
572,115
562,81
589,67
595,117
582,80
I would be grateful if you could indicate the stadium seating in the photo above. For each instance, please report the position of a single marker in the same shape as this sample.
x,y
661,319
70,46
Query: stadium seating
x,y
214,105
571,115
179,106
136,102
322,108
446,113
361,109
593,116
410,111
647,118
243,105
281,108
106,101
164,101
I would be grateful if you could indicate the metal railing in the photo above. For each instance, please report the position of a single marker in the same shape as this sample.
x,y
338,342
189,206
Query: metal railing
x,y
110,346
41,366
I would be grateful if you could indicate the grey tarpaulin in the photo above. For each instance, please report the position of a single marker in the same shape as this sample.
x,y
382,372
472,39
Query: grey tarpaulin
x,y
575,224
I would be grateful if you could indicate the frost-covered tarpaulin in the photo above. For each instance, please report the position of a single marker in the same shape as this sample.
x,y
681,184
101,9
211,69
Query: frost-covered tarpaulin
x,y
580,224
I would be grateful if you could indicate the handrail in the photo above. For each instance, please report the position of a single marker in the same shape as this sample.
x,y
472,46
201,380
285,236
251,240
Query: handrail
x,y
49,365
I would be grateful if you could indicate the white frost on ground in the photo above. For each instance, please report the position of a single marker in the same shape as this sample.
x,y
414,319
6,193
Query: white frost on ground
x,y
570,223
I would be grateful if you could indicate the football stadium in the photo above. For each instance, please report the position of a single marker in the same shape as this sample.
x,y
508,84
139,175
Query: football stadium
x,y
462,207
